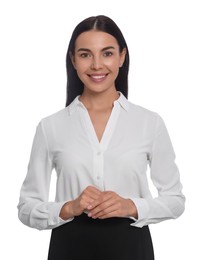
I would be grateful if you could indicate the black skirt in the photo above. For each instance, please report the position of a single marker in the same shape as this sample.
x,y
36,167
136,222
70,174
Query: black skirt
x,y
95,239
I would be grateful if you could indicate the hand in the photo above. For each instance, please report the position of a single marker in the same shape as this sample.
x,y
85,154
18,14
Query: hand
x,y
78,206
110,204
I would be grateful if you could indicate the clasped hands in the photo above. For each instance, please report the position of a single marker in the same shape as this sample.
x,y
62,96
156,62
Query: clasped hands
x,y
99,204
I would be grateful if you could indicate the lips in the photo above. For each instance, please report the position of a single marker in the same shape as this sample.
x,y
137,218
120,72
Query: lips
x,y
98,77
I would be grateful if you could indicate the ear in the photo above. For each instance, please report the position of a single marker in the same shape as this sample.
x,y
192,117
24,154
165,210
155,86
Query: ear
x,y
72,57
122,56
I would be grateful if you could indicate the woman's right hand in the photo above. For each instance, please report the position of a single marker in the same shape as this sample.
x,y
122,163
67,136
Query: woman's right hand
x,y
79,205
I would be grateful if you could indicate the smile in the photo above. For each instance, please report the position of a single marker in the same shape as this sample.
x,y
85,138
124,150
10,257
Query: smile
x,y
98,77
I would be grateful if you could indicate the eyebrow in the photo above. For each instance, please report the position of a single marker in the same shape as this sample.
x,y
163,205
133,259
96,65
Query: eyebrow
x,y
88,50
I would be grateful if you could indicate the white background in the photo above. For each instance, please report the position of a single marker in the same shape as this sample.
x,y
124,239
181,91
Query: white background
x,y
165,41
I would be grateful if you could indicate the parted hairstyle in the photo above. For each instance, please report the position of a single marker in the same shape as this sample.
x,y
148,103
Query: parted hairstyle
x,y
104,24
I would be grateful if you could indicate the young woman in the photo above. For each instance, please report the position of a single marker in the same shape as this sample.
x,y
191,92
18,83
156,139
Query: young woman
x,y
100,146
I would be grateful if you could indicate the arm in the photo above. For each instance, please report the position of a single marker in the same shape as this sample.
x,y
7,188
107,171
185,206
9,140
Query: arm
x,y
165,175
34,210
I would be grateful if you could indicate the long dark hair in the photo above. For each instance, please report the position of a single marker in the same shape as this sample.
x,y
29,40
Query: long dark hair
x,y
105,24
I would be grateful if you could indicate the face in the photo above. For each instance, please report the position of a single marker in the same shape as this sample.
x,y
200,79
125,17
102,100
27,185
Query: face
x,y
97,60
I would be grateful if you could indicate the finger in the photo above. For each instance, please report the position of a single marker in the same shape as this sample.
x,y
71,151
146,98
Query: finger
x,y
100,209
92,192
103,197
112,210
89,195
111,214
94,189
102,205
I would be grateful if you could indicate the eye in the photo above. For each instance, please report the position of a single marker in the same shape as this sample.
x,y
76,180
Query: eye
x,y
108,53
85,55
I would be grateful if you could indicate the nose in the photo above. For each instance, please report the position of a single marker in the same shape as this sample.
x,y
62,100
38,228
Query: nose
x,y
96,63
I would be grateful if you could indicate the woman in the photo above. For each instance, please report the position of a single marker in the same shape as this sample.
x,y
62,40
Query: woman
x,y
100,146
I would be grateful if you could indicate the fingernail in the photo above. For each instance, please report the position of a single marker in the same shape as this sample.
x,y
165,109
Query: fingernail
x,y
89,214
89,206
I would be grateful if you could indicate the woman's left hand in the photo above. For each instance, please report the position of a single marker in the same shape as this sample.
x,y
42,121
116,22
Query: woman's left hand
x,y
110,204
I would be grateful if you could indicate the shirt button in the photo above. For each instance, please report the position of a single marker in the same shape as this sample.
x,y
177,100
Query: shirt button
x,y
98,177
98,153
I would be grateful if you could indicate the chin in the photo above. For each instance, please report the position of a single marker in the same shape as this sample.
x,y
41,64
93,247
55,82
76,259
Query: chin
x,y
98,90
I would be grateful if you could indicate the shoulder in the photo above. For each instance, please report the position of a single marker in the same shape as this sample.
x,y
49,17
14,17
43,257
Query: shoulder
x,y
142,112
146,119
57,118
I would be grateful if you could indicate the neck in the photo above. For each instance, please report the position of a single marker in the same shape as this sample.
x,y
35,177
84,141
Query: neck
x,y
99,101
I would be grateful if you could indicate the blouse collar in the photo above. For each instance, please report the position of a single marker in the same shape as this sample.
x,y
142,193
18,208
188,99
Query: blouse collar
x,y
122,100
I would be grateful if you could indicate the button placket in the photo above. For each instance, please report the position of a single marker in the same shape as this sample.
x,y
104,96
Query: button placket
x,y
99,168
99,147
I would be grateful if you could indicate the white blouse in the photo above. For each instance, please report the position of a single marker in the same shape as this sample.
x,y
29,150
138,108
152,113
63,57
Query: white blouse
x,y
134,138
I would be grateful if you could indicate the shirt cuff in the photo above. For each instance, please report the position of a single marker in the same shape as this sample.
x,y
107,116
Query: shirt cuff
x,y
143,212
54,219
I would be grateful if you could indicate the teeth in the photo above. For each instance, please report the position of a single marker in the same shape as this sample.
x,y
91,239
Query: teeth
x,y
98,77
